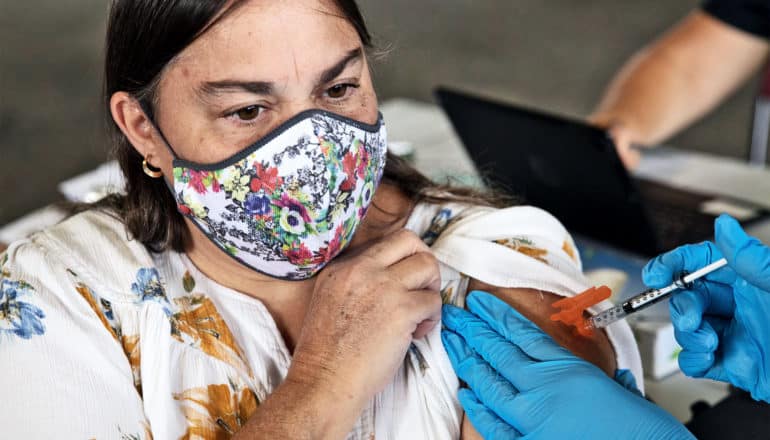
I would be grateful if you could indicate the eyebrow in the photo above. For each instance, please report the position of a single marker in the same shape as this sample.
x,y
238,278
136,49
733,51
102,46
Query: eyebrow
x,y
335,71
214,88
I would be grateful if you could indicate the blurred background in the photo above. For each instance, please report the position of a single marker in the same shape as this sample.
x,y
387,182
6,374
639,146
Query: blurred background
x,y
555,55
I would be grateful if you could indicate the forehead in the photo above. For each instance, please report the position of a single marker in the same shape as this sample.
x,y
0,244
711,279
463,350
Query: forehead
x,y
271,39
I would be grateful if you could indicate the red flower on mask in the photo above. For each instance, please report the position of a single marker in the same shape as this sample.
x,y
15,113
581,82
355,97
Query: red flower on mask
x,y
184,209
326,254
267,179
198,181
300,256
349,168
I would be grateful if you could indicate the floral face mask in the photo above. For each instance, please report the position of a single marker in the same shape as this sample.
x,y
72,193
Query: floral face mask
x,y
290,203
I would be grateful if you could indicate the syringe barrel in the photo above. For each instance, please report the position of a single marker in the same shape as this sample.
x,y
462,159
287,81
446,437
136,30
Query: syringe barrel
x,y
646,299
607,317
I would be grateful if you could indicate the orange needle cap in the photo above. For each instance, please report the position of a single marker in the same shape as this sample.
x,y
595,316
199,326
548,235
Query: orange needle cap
x,y
572,310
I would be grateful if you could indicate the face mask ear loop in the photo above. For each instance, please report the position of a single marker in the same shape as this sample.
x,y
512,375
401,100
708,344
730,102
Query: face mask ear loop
x,y
147,109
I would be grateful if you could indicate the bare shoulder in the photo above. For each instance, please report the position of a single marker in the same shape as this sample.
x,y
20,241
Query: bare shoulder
x,y
537,306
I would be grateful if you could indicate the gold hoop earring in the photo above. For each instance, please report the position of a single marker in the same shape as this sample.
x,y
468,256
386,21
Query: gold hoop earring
x,y
154,173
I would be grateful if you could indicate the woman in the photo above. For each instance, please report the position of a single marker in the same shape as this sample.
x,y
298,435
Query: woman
x,y
242,287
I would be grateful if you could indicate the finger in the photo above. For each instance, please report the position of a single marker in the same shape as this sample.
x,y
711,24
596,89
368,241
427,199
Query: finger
x,y
487,384
417,271
746,255
395,247
630,156
426,306
701,340
424,328
486,422
515,328
506,358
687,308
695,361
663,269
696,364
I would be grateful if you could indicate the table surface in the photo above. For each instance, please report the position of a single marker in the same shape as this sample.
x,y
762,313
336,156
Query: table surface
x,y
439,154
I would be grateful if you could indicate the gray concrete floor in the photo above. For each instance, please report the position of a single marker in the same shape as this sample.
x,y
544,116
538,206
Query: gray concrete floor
x,y
550,54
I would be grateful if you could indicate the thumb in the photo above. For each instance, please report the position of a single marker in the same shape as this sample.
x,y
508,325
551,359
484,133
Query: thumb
x,y
748,257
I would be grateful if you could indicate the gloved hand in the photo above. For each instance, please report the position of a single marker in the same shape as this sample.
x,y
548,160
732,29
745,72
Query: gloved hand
x,y
524,385
723,322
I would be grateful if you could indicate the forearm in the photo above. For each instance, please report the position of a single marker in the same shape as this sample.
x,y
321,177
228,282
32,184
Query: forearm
x,y
647,99
679,78
302,408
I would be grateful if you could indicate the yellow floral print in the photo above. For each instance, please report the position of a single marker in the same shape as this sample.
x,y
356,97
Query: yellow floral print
x,y
525,247
216,411
569,250
447,295
237,184
131,348
88,295
130,344
197,322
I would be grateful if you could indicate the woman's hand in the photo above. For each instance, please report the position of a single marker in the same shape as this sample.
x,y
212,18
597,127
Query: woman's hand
x,y
524,385
365,311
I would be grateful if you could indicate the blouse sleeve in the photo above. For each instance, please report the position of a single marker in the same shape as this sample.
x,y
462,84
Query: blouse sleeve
x,y
518,247
64,369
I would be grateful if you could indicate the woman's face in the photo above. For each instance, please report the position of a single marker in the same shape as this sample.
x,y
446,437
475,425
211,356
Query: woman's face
x,y
261,65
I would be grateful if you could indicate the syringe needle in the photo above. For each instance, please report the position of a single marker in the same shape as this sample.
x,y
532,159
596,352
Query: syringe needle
x,y
652,296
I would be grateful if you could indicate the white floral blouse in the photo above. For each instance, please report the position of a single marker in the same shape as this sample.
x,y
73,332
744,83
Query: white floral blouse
x,y
100,339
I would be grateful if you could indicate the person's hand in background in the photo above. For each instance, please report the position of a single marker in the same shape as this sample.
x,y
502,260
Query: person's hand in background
x,y
623,138
678,78
522,384
722,322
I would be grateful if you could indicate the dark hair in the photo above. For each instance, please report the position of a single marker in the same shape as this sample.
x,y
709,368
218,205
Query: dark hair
x,y
143,37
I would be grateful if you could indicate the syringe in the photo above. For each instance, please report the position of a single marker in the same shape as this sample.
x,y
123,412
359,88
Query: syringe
x,y
650,297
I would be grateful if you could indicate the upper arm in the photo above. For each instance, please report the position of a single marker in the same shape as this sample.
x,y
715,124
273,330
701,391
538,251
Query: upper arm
x,y
536,306
719,56
62,369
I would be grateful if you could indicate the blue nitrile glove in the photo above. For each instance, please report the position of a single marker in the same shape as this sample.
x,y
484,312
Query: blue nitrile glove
x,y
524,385
723,322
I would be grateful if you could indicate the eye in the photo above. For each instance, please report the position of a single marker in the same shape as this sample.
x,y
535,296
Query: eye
x,y
249,113
340,91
